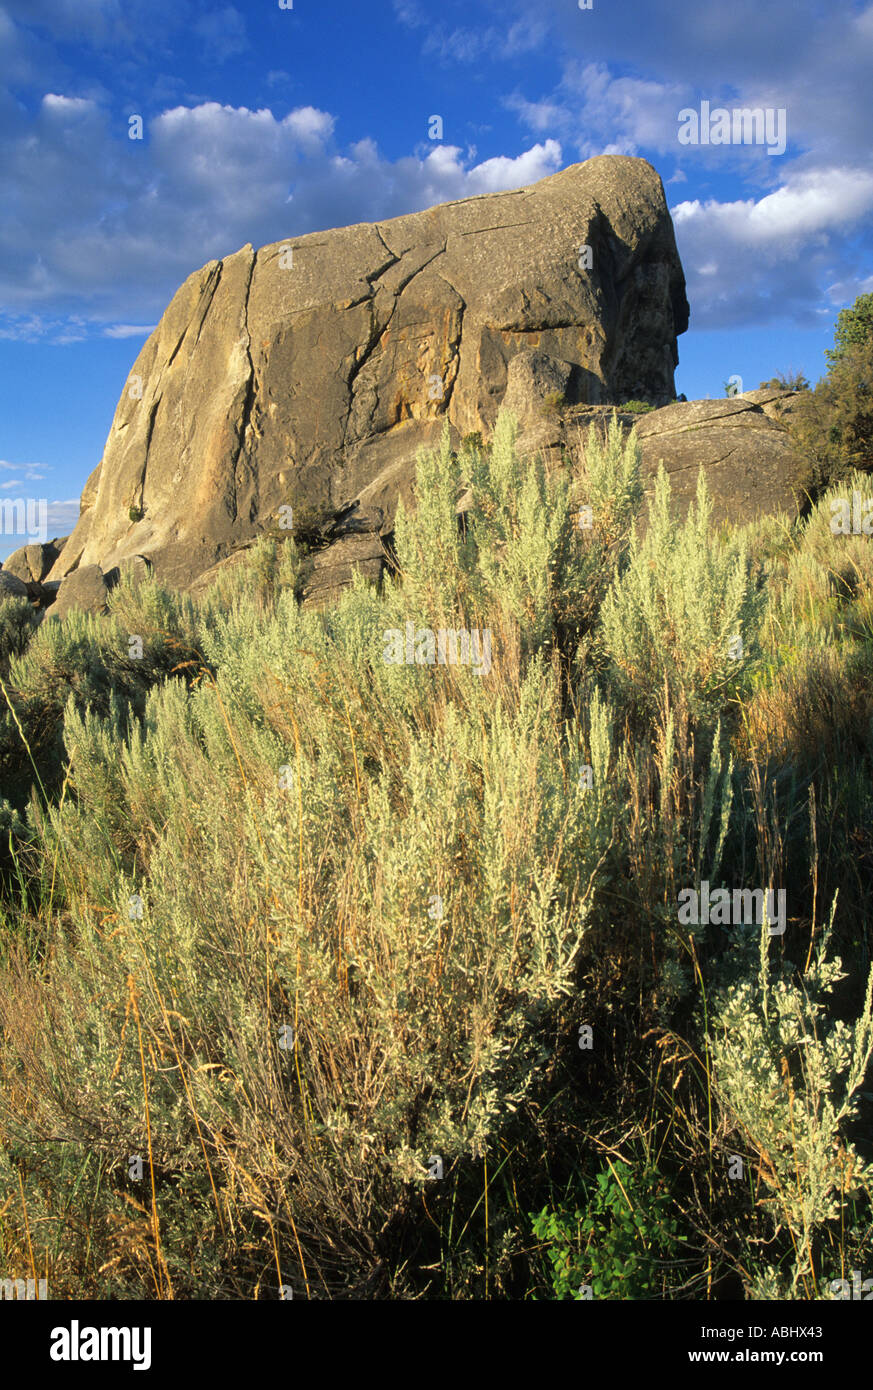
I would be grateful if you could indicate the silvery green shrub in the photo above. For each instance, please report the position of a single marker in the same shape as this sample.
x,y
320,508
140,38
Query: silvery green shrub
x,y
789,1074
669,620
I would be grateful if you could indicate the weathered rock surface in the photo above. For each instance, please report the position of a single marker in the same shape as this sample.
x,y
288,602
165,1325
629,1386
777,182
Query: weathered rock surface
x,y
355,542
85,588
536,382
138,567
752,467
11,586
308,373
333,567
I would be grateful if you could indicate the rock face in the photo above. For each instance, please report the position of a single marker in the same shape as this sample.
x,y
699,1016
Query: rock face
x,y
85,588
307,374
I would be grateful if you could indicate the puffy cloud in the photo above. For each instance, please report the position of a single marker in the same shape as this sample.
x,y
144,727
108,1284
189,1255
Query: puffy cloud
x,y
495,175
310,125
768,260
138,216
809,205
66,107
621,115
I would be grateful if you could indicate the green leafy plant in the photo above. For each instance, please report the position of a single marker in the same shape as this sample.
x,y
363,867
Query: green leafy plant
x,y
854,327
19,621
619,1244
786,381
832,425
553,403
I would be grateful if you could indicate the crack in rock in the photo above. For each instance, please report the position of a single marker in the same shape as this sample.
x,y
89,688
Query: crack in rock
x,y
249,394
377,332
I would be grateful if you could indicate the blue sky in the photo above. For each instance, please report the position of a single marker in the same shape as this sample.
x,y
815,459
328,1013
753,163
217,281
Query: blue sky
x,y
261,123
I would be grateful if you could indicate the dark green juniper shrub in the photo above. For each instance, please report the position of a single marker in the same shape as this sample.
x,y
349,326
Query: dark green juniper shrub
x,y
19,620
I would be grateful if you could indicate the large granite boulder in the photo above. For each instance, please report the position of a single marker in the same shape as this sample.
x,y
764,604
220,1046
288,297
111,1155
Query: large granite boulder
x,y
308,373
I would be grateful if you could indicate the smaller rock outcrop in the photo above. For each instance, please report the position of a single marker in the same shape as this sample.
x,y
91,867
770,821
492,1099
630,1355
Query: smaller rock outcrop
x,y
351,541
354,542
31,563
752,467
11,586
84,588
87,587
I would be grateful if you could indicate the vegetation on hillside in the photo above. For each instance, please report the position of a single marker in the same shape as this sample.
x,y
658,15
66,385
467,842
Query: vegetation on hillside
x,y
832,425
329,975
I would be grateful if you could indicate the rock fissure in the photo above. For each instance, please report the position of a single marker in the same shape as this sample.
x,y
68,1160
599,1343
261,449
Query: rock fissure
x,y
409,279
207,296
695,464
498,227
248,401
213,290
391,252
373,275
357,365
149,432
379,331
721,417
